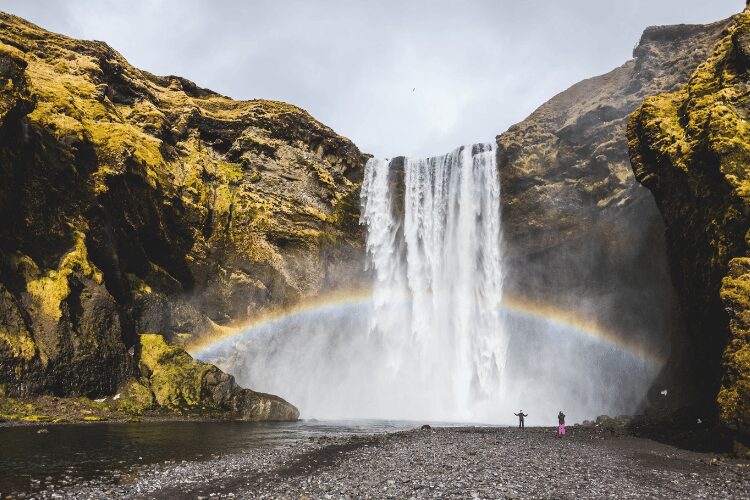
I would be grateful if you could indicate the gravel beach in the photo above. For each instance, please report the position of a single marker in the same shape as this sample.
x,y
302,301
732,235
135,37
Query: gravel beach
x,y
441,463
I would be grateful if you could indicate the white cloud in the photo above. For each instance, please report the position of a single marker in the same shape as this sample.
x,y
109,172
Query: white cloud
x,y
477,66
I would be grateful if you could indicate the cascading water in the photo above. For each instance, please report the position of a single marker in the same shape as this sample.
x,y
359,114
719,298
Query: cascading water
x,y
435,339
437,286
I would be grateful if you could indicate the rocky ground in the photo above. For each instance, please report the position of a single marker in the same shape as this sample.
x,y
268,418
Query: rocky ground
x,y
437,463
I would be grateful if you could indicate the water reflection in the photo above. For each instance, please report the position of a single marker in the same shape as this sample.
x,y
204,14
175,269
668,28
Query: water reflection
x,y
70,454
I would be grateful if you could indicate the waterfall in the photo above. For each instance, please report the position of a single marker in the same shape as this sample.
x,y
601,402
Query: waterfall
x,y
436,340
434,247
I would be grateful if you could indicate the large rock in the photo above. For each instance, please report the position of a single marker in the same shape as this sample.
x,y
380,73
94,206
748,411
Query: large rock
x,y
170,379
133,202
580,232
691,148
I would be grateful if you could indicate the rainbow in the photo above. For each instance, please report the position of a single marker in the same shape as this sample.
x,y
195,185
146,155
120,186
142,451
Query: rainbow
x,y
514,305
331,301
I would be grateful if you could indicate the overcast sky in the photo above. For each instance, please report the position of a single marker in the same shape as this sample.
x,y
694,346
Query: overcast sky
x,y
397,77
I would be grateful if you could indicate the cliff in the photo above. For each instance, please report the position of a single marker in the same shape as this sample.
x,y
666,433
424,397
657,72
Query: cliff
x,y
135,203
580,231
691,148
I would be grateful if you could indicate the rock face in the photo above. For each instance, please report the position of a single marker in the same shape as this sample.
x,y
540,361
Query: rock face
x,y
172,380
691,148
580,232
136,203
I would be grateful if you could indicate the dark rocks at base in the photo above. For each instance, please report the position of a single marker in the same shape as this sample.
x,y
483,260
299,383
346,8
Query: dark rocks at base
x,y
694,428
610,425
425,427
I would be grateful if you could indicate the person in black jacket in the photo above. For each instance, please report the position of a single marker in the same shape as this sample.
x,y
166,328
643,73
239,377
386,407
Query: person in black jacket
x,y
520,416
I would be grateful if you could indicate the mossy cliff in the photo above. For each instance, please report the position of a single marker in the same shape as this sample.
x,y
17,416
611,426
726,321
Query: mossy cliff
x,y
579,230
171,379
170,383
137,203
691,148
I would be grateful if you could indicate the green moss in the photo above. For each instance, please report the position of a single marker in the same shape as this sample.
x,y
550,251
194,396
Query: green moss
x,y
175,379
13,409
18,340
135,398
702,131
323,176
51,289
21,346
231,185
94,418
117,139
37,418
734,396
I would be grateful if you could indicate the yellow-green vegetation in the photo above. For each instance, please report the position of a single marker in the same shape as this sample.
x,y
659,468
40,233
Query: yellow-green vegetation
x,y
705,116
16,338
129,194
692,149
12,409
20,343
135,398
172,381
734,396
46,409
50,289
175,379
94,418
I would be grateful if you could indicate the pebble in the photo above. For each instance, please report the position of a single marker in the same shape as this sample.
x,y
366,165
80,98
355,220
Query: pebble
x,y
444,463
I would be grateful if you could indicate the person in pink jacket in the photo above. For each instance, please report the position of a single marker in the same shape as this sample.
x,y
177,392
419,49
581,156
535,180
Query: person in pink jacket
x,y
561,424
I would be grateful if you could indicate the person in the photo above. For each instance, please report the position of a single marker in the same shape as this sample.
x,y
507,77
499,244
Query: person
x,y
561,424
520,416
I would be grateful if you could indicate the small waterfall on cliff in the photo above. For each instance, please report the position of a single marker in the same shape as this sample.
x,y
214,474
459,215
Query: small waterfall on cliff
x,y
433,242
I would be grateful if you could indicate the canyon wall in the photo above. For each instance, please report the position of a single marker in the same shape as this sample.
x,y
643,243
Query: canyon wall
x,y
580,232
133,203
691,148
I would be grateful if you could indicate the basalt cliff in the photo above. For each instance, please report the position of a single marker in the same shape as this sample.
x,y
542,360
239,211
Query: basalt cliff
x,y
691,149
133,203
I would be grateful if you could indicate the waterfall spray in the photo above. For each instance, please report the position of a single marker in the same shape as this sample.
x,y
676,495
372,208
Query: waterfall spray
x,y
440,249
434,339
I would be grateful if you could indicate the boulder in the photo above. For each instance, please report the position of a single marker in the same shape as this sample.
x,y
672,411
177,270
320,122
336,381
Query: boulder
x,y
170,379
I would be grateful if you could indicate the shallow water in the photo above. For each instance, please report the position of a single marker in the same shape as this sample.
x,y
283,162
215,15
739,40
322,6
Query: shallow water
x,y
71,454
